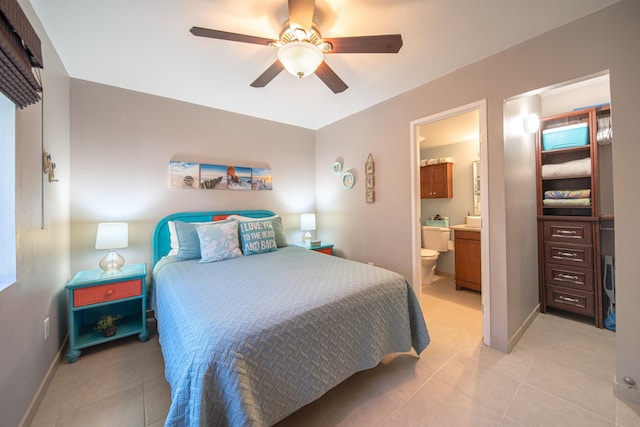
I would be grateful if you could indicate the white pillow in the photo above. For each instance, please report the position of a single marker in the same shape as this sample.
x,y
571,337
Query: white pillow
x,y
174,238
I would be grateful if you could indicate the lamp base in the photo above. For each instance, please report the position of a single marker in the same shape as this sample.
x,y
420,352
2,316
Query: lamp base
x,y
306,237
112,261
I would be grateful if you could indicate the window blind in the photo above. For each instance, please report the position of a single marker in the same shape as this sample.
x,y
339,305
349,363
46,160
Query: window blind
x,y
19,53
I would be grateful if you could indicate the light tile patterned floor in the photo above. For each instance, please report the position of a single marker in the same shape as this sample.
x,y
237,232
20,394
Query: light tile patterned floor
x,y
560,374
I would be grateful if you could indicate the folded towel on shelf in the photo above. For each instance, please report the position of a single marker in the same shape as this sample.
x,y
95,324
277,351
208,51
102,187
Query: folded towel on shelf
x,y
567,202
425,162
567,194
580,167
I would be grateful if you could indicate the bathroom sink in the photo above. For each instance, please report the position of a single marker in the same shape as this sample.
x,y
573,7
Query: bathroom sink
x,y
474,221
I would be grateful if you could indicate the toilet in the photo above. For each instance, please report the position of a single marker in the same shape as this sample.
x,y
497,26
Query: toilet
x,y
434,241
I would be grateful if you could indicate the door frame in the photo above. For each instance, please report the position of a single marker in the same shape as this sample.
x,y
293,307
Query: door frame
x,y
480,106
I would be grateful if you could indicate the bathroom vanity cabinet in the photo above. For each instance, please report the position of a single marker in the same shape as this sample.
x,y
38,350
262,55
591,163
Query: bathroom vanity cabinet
x,y
436,181
467,259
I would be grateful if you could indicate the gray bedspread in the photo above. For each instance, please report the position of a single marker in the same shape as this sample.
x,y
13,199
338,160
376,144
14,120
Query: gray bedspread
x,y
247,341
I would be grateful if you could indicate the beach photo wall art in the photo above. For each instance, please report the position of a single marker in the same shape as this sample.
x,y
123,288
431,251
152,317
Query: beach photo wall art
x,y
184,174
219,177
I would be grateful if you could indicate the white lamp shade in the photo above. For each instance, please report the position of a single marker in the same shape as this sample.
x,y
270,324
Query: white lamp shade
x,y
308,221
300,58
112,235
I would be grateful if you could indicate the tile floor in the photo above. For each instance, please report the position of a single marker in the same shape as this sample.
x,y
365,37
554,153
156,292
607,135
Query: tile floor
x,y
560,374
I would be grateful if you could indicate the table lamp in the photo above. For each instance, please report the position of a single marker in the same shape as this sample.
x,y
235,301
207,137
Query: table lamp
x,y
111,236
307,224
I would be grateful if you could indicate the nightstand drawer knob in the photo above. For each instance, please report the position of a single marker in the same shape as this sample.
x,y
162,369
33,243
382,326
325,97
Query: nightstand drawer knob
x,y
109,293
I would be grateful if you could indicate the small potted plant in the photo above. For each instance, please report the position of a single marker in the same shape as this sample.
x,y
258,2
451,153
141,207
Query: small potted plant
x,y
107,324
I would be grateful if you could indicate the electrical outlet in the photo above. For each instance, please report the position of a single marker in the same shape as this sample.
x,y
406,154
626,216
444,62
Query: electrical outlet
x,y
46,328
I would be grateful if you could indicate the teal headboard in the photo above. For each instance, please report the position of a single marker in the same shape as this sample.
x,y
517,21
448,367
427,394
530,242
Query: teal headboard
x,y
162,242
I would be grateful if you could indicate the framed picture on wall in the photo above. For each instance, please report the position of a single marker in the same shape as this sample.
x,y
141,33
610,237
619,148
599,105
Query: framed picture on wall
x,y
261,179
213,177
238,178
184,174
370,197
368,166
369,182
348,180
336,168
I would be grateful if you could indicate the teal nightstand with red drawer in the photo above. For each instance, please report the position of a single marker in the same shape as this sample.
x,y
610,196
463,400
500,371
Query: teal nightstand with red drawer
x,y
96,293
324,248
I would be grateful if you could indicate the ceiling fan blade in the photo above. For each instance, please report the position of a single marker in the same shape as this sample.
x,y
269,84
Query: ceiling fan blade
x,y
330,78
389,43
301,13
223,35
268,75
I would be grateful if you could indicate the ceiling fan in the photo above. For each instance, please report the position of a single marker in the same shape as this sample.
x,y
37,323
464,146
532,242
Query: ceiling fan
x,y
301,48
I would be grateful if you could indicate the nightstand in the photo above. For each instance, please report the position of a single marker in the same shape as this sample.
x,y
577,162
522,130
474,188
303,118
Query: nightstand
x,y
324,248
95,293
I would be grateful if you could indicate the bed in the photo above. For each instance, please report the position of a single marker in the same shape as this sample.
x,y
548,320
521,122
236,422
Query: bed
x,y
250,339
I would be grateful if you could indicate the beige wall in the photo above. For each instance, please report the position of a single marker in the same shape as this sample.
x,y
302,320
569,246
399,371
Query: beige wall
x,y
381,232
43,265
522,229
122,142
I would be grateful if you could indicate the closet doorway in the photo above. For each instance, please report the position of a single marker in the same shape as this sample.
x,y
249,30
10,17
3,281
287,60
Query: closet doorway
x,y
418,217
552,103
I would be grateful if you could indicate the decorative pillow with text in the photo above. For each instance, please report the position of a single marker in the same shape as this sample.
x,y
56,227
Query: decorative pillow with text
x,y
257,236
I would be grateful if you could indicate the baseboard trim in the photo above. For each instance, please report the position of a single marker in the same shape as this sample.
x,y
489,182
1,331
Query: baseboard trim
x,y
30,414
445,274
624,393
523,328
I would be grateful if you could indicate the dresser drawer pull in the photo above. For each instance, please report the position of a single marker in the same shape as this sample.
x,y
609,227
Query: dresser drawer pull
x,y
109,293
567,277
567,299
568,254
566,232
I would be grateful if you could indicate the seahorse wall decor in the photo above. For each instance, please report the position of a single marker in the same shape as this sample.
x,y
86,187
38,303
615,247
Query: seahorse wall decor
x,y
48,167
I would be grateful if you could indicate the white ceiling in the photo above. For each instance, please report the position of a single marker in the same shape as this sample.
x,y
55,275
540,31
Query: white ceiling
x,y
464,127
145,46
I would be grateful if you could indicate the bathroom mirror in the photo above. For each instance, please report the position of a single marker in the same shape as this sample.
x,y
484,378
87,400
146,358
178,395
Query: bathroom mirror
x,y
476,187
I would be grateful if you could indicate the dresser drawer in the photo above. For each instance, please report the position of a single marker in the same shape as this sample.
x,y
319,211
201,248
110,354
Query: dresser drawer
x,y
578,256
569,276
570,300
109,292
570,232
467,235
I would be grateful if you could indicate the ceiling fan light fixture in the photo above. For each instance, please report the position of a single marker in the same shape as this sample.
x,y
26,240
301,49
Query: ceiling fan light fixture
x,y
300,58
300,34
325,47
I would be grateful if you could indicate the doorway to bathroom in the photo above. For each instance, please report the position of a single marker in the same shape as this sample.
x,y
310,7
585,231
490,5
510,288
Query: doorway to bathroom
x,y
457,136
